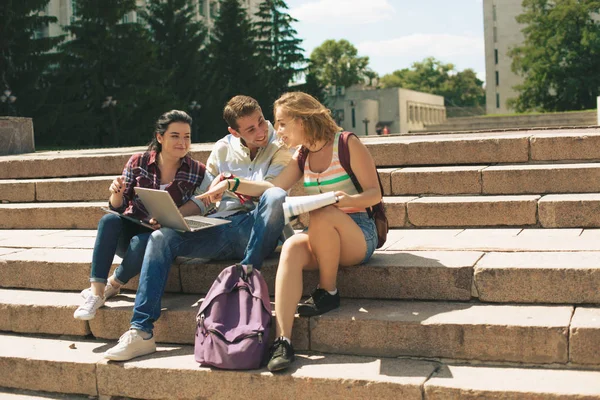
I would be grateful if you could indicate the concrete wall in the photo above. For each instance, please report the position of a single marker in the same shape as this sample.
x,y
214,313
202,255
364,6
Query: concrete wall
x,y
401,110
501,33
419,109
16,136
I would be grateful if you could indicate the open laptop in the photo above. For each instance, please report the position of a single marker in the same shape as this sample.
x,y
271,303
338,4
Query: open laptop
x,y
161,207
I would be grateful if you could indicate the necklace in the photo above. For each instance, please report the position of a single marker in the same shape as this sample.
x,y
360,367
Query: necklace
x,y
322,147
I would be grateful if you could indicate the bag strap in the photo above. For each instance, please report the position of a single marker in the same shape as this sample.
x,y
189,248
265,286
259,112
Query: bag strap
x,y
344,155
244,271
302,156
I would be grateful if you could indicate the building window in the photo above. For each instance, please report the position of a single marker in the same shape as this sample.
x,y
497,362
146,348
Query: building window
x,y
497,100
125,18
201,4
495,34
496,56
494,12
353,118
497,78
214,11
74,10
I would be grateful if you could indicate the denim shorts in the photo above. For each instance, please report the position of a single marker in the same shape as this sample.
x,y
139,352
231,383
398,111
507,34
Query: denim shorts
x,y
367,225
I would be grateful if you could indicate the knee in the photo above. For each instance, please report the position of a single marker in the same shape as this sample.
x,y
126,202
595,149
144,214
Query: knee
x,y
274,196
135,242
163,237
110,221
292,250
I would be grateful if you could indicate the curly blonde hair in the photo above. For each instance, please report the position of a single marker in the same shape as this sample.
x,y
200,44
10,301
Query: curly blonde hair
x,y
317,120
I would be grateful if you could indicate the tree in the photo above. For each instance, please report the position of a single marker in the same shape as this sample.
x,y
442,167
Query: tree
x,y
109,88
278,47
460,89
560,56
233,67
24,55
337,63
464,89
180,39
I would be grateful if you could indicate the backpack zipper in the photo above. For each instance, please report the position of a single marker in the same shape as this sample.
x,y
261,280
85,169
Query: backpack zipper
x,y
250,335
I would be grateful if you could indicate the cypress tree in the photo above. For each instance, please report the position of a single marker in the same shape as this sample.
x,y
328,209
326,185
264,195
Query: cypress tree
x,y
279,48
109,87
25,56
233,67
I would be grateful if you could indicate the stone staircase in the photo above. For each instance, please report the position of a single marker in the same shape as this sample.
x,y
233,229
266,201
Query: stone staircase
x,y
488,285
501,122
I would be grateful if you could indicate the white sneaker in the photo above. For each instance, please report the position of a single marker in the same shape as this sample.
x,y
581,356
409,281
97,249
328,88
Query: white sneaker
x,y
131,344
88,309
109,291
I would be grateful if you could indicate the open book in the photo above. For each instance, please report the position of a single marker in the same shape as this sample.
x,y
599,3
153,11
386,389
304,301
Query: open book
x,y
296,205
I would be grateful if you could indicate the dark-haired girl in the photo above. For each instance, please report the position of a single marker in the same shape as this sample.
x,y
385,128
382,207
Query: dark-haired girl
x,y
165,166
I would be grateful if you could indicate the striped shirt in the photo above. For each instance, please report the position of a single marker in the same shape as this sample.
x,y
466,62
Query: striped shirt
x,y
334,178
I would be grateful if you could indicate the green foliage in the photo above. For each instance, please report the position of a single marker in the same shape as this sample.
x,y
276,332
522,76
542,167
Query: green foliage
x,y
460,89
560,56
180,39
233,67
24,57
161,62
337,63
278,48
105,58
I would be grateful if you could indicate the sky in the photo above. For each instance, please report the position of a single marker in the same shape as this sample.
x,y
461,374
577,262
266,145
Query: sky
x,y
396,33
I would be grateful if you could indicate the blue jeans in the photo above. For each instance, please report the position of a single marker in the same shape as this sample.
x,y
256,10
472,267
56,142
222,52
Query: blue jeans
x,y
122,237
250,237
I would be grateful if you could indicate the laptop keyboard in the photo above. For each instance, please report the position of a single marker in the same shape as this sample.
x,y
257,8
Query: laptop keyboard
x,y
196,224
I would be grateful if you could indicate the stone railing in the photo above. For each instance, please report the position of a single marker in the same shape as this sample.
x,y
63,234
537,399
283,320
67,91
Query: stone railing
x,y
421,114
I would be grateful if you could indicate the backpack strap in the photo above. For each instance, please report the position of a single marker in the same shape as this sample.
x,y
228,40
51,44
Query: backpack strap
x,y
344,155
302,156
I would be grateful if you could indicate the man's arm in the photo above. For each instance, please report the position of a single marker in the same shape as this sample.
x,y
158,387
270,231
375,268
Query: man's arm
x,y
194,206
280,160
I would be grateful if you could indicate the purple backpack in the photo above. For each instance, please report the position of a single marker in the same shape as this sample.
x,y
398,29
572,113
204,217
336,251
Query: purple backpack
x,y
234,320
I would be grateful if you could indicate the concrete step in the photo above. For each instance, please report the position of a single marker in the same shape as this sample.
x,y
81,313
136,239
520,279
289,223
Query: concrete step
x,y
549,211
529,334
450,149
442,180
419,275
486,382
173,370
493,180
494,265
72,163
20,394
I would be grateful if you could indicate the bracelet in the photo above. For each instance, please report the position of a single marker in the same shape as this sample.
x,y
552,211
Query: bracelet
x,y
237,183
228,184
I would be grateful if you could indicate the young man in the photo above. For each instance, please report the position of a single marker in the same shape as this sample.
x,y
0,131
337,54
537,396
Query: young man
x,y
250,151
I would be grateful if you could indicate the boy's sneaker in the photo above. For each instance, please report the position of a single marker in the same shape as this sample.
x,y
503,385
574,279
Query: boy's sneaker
x,y
88,309
319,303
131,344
281,355
109,291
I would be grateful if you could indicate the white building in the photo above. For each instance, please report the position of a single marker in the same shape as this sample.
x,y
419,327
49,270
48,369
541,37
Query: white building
x,y
501,33
361,110
206,10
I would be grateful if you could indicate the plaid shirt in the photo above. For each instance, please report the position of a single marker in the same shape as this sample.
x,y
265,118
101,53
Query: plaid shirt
x,y
142,170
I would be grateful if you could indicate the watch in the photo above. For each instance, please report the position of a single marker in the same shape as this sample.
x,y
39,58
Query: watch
x,y
226,175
